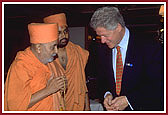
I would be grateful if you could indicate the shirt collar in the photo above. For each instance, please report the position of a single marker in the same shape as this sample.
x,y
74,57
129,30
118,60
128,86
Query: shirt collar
x,y
124,42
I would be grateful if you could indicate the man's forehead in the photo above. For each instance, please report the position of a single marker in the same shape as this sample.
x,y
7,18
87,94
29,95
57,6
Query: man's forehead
x,y
51,43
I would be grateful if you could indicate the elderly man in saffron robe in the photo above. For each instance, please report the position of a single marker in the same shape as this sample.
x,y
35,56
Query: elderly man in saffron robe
x,y
31,84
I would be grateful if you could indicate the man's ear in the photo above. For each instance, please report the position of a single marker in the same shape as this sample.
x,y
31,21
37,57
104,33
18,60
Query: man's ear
x,y
119,27
38,48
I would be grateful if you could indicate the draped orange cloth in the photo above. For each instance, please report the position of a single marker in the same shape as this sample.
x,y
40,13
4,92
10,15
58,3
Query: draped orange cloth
x,y
76,92
26,76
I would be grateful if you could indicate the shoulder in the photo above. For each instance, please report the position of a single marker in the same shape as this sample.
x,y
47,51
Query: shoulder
x,y
78,48
23,62
145,44
144,40
18,70
19,63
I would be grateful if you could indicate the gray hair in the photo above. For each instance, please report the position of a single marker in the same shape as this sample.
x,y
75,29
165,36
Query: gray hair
x,y
107,17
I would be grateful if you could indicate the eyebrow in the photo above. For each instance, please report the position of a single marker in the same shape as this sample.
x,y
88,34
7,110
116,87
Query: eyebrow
x,y
53,45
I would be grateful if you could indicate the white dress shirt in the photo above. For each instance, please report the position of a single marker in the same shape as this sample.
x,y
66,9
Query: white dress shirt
x,y
123,49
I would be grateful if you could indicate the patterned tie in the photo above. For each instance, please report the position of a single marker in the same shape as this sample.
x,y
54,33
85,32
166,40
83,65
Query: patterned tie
x,y
119,71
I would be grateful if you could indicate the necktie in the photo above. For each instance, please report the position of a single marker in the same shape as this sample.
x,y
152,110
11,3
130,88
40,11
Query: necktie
x,y
119,71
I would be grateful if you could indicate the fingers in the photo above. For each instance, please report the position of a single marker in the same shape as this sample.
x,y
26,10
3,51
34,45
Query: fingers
x,y
61,82
117,104
112,104
56,84
107,101
112,108
52,76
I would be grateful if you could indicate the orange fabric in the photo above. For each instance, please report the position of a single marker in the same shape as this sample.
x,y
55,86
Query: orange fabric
x,y
57,98
77,59
26,76
56,18
119,71
43,33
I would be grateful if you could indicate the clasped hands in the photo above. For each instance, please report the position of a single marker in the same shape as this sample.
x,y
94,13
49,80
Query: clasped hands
x,y
116,104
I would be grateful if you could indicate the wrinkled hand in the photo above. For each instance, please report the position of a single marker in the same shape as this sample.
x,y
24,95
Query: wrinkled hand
x,y
107,101
56,84
118,104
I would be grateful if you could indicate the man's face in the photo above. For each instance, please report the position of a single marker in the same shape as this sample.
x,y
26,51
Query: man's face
x,y
110,37
48,51
63,36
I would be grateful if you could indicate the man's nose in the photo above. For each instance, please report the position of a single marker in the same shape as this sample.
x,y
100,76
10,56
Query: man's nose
x,y
56,50
62,35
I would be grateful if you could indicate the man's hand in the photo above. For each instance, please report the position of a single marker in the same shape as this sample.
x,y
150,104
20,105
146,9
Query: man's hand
x,y
108,101
56,84
118,104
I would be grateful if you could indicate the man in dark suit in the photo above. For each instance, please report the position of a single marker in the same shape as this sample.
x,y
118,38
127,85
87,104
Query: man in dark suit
x,y
136,81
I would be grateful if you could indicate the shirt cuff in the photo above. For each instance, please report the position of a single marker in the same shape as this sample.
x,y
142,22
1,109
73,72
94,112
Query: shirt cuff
x,y
129,103
107,93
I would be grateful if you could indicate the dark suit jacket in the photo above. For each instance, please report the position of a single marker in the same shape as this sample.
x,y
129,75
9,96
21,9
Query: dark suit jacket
x,y
142,83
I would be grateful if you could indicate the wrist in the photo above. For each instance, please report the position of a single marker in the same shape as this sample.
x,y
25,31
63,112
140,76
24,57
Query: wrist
x,y
107,94
47,91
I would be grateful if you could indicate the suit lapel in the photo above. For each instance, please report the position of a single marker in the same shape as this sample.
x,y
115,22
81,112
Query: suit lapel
x,y
129,64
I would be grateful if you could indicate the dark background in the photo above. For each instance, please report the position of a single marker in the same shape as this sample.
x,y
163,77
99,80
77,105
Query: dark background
x,y
144,19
